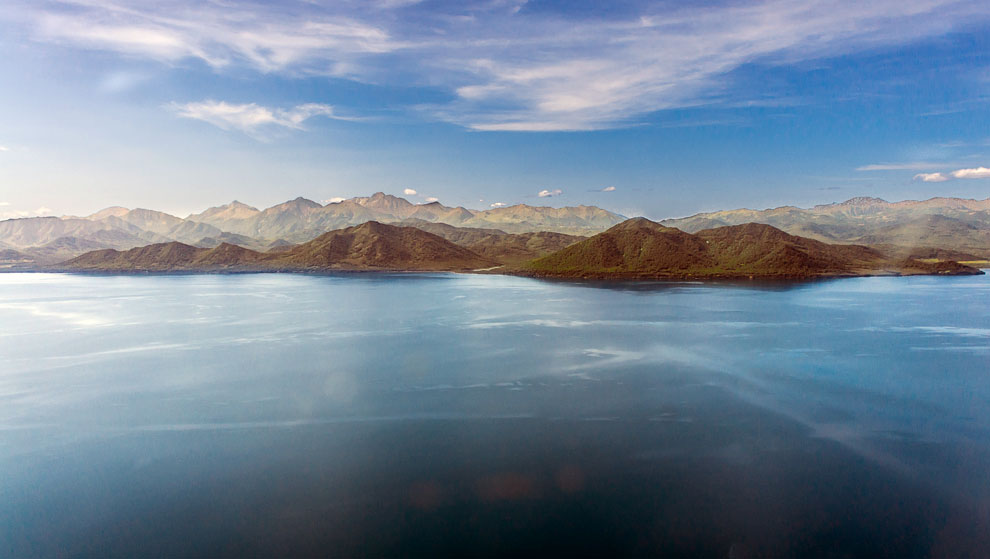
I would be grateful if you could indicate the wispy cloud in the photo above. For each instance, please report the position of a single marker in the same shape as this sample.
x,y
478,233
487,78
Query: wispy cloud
x,y
550,193
608,189
931,177
977,173
432,199
508,68
251,118
4,148
288,37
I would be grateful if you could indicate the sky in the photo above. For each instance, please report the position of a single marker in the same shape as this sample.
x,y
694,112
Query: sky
x,y
658,108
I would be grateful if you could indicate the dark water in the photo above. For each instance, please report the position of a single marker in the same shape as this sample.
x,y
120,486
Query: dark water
x,y
287,415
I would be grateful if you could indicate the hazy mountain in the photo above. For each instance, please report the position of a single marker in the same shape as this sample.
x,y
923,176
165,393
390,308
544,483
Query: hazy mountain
x,y
64,248
463,236
640,248
39,231
521,218
369,246
936,231
909,225
300,220
504,248
292,222
111,228
940,227
221,214
235,239
114,211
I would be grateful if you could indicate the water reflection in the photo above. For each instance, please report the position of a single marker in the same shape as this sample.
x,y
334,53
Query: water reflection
x,y
366,414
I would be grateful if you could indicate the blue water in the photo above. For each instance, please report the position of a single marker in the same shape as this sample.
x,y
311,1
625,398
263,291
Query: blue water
x,y
384,415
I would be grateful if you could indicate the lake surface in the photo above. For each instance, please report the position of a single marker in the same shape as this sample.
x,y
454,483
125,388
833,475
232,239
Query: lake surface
x,y
295,415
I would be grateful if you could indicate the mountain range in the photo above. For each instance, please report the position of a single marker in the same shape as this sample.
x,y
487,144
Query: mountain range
x,y
369,246
47,240
634,249
935,229
957,227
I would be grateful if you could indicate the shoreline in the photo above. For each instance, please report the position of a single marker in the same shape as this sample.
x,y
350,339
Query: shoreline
x,y
592,277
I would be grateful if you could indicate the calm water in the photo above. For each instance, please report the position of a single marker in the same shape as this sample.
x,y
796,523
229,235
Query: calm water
x,y
261,415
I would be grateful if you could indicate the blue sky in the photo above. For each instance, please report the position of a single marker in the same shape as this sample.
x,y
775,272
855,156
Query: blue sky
x,y
660,109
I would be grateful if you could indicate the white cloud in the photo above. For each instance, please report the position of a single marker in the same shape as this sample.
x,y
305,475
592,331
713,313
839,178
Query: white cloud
x,y
4,148
509,69
334,200
497,205
4,204
608,189
977,173
251,118
931,177
43,211
549,193
432,199
409,192
268,38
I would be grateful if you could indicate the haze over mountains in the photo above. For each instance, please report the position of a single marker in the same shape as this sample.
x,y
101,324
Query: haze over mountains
x,y
636,248
939,228
919,228
53,239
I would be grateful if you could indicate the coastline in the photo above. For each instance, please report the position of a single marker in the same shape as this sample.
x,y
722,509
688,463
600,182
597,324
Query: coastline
x,y
616,277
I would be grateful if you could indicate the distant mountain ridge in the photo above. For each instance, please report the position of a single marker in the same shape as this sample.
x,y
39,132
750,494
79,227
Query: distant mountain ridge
x,y
47,240
301,219
948,228
910,226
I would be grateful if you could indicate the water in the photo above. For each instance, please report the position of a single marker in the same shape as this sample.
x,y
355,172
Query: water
x,y
292,415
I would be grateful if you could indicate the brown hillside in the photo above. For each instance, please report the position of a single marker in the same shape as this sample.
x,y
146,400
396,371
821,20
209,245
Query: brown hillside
x,y
377,246
640,248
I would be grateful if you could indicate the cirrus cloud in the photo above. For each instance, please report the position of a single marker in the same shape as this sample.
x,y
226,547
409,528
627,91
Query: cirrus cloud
x,y
251,118
507,67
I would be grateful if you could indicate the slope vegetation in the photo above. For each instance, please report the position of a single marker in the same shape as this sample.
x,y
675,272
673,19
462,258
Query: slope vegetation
x,y
640,248
370,246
